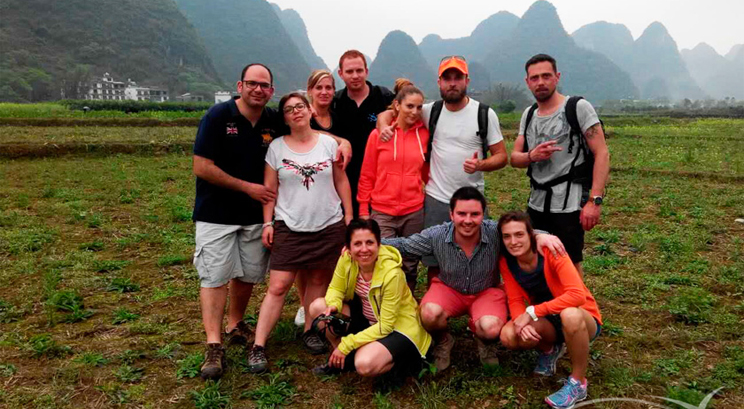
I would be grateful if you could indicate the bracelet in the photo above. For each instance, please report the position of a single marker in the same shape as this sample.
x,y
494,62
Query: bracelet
x,y
528,156
269,224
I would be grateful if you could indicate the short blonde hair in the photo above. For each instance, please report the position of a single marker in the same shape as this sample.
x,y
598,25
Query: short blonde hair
x,y
315,77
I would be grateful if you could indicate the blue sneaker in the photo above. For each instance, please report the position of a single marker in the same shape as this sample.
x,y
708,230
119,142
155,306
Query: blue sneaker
x,y
546,361
569,395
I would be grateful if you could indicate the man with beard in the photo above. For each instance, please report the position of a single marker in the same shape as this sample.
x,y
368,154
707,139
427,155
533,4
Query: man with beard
x,y
567,188
457,146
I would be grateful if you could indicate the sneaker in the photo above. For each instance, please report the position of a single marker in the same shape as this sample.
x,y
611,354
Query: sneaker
x,y
257,361
325,370
240,335
487,352
569,395
313,343
214,362
442,351
300,317
546,362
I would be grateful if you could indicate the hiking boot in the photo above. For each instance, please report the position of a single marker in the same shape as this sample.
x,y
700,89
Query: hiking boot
x,y
257,361
569,395
214,362
313,343
487,352
300,317
546,361
442,351
240,335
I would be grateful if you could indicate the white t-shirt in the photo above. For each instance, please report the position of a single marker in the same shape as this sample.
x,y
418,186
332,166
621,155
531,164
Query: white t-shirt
x,y
307,200
456,139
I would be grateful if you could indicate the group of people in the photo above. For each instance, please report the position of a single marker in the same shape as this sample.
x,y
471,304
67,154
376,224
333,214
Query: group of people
x,y
341,193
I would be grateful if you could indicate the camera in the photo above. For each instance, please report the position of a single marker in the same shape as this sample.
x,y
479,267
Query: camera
x,y
337,323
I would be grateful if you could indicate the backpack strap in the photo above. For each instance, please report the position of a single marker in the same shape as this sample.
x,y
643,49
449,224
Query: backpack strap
x,y
483,126
527,121
573,122
436,110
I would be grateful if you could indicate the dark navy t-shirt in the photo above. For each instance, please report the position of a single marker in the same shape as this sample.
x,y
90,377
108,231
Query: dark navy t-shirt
x,y
239,149
533,283
355,123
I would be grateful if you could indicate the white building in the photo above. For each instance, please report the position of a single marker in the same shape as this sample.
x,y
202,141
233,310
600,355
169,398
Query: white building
x,y
222,96
140,93
105,89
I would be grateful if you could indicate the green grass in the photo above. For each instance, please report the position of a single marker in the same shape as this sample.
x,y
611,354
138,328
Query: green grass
x,y
277,392
190,366
101,233
129,374
92,359
123,315
54,110
210,397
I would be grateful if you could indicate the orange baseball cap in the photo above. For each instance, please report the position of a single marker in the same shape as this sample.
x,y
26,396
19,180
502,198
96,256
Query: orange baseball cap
x,y
453,61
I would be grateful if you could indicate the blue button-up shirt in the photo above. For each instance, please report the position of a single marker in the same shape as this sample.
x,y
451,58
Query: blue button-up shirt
x,y
467,275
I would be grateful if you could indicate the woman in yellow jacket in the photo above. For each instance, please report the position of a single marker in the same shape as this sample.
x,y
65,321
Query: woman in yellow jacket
x,y
369,286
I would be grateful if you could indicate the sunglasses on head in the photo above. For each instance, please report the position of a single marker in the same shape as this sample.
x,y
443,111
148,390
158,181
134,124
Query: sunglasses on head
x,y
456,57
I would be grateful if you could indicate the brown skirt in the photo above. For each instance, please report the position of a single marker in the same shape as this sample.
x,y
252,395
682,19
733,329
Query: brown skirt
x,y
306,250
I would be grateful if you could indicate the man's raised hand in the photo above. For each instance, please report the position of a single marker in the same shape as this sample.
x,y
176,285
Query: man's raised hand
x,y
471,164
543,151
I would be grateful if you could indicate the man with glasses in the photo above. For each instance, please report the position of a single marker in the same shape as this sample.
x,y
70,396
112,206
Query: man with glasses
x,y
356,107
229,154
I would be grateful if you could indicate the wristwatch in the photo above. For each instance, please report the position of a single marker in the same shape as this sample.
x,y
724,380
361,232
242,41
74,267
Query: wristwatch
x,y
531,312
597,200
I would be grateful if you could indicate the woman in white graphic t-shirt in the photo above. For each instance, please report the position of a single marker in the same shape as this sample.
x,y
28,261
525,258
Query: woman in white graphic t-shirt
x,y
305,226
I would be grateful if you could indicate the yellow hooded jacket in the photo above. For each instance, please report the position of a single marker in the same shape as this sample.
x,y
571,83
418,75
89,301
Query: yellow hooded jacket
x,y
391,300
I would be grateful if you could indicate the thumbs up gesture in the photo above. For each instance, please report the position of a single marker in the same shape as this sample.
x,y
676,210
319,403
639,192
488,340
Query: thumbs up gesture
x,y
472,165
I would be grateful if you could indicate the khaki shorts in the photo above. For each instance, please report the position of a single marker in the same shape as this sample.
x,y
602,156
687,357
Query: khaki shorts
x,y
225,252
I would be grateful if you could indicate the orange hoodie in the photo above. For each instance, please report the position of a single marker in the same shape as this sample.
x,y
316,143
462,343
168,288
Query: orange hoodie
x,y
564,283
394,173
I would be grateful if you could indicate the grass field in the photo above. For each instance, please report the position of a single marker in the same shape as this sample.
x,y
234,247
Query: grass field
x,y
99,306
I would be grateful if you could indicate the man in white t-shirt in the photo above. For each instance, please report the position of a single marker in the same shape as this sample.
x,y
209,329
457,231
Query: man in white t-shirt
x,y
457,155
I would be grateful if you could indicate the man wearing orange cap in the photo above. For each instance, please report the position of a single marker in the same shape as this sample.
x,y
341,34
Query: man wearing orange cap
x,y
461,132
458,157
458,145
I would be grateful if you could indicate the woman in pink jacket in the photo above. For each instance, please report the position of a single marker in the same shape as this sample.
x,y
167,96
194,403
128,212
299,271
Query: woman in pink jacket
x,y
394,174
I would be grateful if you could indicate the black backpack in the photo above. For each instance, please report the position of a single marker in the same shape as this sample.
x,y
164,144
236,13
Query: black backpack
x,y
577,174
436,110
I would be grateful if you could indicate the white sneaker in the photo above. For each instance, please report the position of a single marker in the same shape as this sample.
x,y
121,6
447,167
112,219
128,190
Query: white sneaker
x,y
300,317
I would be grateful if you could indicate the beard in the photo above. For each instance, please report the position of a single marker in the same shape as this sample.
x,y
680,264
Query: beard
x,y
453,97
543,96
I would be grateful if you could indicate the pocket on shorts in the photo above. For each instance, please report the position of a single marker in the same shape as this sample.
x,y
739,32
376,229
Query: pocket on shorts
x,y
213,266
199,263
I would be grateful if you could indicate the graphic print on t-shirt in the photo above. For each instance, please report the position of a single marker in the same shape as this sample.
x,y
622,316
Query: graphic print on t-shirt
x,y
307,170
232,129
556,129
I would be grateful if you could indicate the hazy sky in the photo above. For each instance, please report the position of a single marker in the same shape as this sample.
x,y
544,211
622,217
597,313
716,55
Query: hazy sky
x,y
337,25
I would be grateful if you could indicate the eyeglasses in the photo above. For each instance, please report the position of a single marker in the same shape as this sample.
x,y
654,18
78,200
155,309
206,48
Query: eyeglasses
x,y
456,57
288,109
251,85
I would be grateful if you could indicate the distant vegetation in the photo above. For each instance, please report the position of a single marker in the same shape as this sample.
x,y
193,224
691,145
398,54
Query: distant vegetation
x,y
240,32
49,47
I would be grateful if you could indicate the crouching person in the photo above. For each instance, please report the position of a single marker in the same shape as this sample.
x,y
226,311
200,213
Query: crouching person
x,y
549,304
369,286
